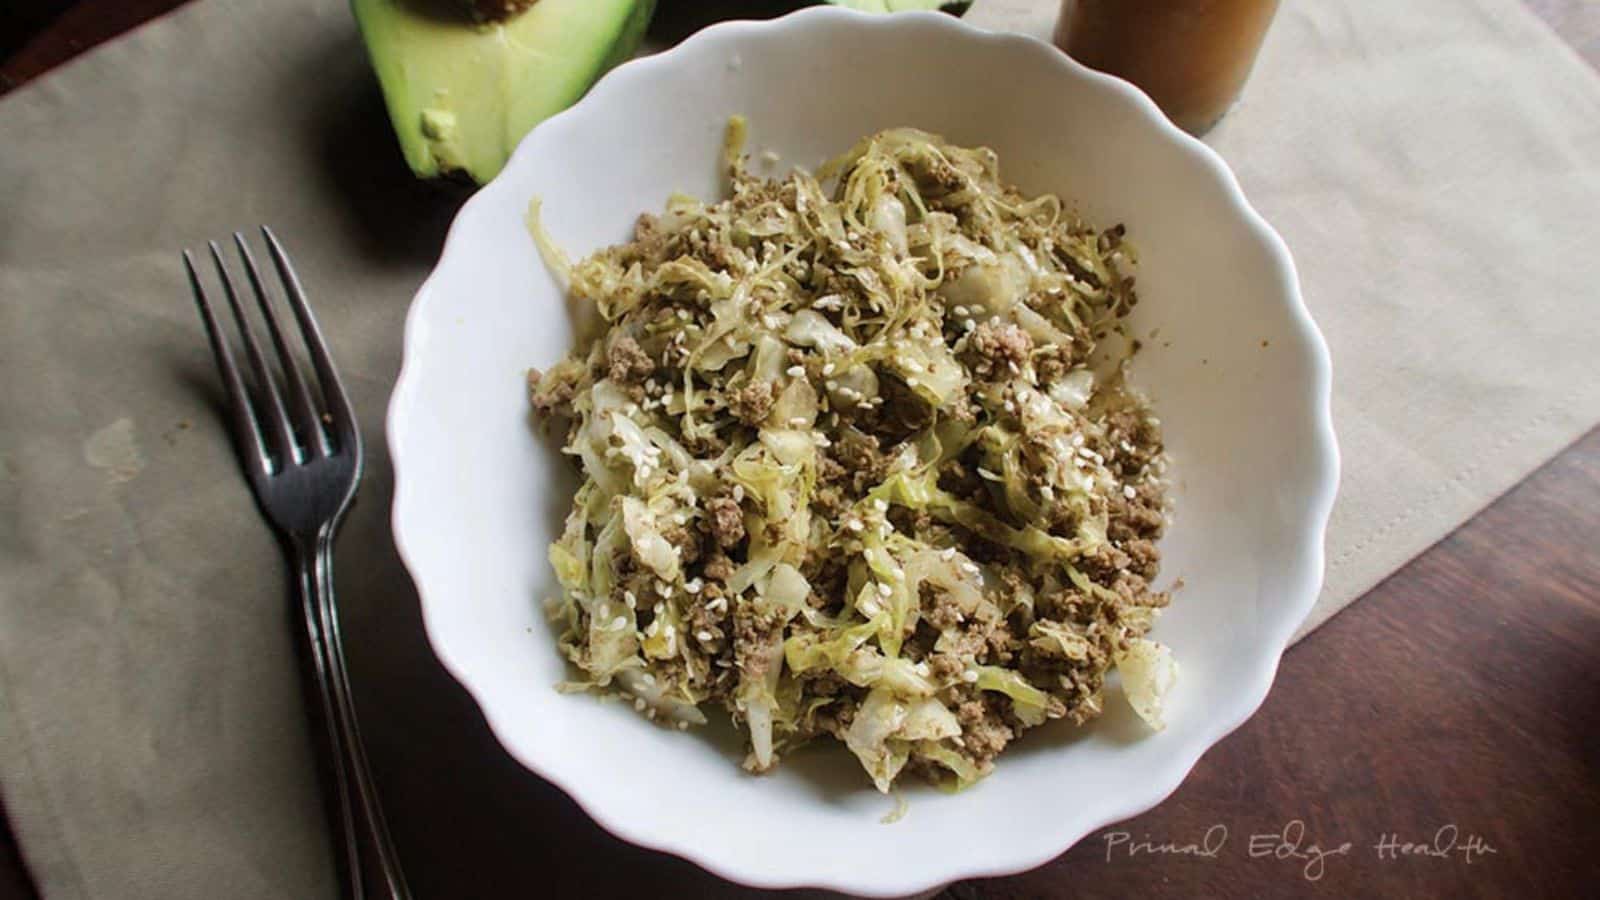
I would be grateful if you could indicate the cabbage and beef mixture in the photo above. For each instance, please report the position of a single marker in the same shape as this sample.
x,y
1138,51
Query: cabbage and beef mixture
x,y
850,469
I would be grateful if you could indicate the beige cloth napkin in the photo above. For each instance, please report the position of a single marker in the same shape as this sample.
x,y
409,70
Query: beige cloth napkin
x,y
1434,165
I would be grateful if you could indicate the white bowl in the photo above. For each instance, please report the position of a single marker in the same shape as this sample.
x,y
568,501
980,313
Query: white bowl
x,y
1243,390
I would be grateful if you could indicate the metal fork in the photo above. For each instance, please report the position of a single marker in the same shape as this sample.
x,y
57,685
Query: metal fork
x,y
303,461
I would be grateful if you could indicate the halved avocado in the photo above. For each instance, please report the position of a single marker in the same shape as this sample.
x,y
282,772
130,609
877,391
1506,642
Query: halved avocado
x,y
462,93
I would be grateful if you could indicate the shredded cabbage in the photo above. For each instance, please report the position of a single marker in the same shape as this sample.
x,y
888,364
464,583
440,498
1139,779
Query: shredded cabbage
x,y
853,467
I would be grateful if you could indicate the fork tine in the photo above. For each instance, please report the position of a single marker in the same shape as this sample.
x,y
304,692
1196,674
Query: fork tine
x,y
303,411
339,408
280,441
247,431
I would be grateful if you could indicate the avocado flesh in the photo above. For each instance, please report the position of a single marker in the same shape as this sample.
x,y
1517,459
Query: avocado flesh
x,y
462,94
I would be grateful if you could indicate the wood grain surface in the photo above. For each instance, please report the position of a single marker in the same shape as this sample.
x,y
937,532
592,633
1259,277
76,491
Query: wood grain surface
x,y
1438,738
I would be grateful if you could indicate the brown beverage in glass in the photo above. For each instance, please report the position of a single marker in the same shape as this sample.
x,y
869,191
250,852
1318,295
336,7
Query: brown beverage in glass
x,y
1191,56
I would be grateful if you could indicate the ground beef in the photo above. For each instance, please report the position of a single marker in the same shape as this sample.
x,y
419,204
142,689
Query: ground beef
x,y
686,540
726,520
1060,604
753,633
1144,557
752,403
715,251
1137,441
829,469
945,668
997,350
1003,646
1104,563
1051,362
940,609
626,363
859,460
549,399
1141,516
706,617
984,731
718,567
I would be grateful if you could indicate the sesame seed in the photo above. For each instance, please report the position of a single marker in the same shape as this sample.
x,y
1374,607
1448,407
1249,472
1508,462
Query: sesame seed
x,y
638,704
629,599
664,588
659,608
683,725
702,635
827,369
854,525
799,422
948,554
831,384
738,493
694,586
619,623
970,568
985,473
884,590
922,669
1047,492
880,505
1080,462
969,676
968,325
1077,440
912,381
796,371
1128,491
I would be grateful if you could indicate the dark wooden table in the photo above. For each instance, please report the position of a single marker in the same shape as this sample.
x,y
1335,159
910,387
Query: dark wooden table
x,y
1438,738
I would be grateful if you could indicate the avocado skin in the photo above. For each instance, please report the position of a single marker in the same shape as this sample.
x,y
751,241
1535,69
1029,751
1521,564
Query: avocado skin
x,y
461,94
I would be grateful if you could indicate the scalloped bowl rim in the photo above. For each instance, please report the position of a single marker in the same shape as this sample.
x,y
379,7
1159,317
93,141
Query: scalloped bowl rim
x,y
1276,630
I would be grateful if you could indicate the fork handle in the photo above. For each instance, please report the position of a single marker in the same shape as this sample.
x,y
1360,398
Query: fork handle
x,y
367,858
